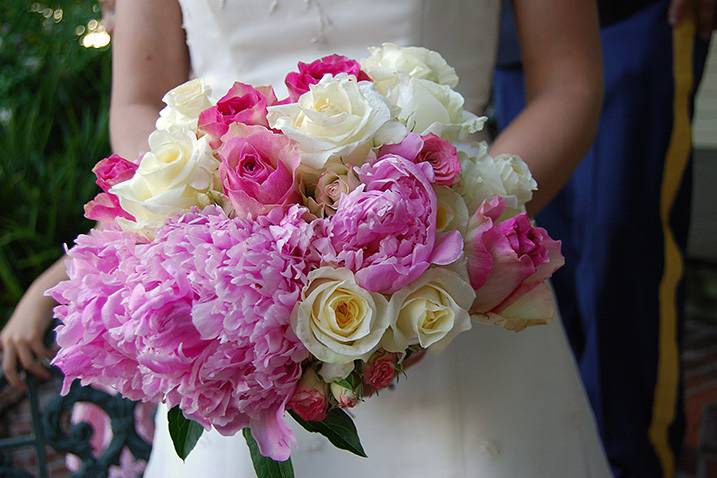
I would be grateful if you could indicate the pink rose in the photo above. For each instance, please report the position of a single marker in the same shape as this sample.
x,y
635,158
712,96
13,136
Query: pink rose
x,y
309,400
509,262
309,74
105,208
110,171
258,169
441,154
113,170
385,230
242,104
380,370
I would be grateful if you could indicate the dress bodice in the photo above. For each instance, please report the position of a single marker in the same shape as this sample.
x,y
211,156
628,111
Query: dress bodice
x,y
259,41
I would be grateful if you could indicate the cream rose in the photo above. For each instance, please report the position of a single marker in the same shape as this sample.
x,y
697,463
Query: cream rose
x,y
430,312
337,117
452,213
484,176
336,319
176,174
428,107
330,372
184,104
322,195
387,64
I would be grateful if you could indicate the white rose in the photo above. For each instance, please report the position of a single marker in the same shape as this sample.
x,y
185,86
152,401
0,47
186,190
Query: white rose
x,y
176,174
430,312
428,107
337,320
483,176
387,64
184,104
516,177
331,372
337,117
452,212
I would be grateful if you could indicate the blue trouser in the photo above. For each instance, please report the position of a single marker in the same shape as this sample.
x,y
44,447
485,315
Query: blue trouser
x,y
623,220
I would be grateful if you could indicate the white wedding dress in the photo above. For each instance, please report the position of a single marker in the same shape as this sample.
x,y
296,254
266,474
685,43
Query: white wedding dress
x,y
495,404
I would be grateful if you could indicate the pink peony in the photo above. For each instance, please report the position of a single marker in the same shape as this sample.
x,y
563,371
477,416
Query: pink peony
x,y
90,305
309,74
105,206
309,400
385,230
199,318
408,148
258,169
380,370
508,264
242,104
441,154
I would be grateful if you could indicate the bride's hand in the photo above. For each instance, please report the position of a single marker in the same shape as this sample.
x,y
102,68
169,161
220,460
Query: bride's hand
x,y
22,338
705,12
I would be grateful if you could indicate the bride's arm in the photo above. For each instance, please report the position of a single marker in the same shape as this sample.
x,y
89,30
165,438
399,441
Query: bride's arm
x,y
149,57
560,48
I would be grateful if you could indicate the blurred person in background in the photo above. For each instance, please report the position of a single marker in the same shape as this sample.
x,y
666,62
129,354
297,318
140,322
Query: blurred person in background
x,y
623,219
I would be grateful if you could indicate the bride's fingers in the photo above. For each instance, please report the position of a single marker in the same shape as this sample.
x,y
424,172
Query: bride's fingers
x,y
40,350
9,366
29,363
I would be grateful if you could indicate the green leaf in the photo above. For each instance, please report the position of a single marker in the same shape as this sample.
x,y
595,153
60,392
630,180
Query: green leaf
x,y
266,467
338,428
185,433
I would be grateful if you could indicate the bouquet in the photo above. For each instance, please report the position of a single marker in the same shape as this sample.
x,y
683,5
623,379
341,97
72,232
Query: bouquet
x,y
274,257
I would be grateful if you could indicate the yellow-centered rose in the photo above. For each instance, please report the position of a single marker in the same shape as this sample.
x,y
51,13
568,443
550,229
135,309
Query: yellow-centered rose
x,y
430,312
176,174
337,117
337,320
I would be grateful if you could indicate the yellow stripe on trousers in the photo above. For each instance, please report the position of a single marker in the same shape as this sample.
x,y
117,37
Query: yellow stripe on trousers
x,y
666,388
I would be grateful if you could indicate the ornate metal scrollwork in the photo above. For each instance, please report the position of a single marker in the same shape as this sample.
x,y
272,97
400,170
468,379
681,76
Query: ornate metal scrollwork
x,y
7,470
51,426
75,438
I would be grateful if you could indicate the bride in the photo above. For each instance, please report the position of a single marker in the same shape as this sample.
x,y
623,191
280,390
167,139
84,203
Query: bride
x,y
495,404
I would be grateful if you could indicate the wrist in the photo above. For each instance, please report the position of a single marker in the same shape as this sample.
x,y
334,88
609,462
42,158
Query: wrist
x,y
36,291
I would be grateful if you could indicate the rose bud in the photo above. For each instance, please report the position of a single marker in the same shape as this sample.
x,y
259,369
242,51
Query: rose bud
x,y
309,400
344,396
380,370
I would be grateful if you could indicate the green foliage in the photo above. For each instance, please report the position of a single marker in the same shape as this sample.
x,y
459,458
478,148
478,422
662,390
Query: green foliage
x,y
54,103
338,428
185,433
